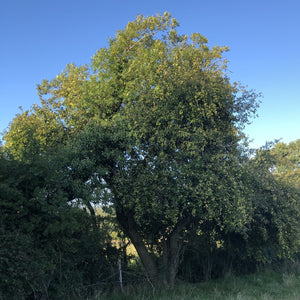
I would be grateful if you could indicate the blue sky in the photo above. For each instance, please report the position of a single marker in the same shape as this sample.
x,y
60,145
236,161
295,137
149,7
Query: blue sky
x,y
39,37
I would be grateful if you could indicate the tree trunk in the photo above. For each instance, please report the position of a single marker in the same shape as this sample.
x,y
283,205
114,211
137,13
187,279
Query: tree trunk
x,y
126,220
162,270
146,258
93,215
172,249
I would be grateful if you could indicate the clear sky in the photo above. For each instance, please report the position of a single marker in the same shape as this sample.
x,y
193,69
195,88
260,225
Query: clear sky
x,y
39,37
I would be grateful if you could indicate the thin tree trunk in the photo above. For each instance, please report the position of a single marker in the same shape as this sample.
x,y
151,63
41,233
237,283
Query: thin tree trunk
x,y
93,215
172,248
174,256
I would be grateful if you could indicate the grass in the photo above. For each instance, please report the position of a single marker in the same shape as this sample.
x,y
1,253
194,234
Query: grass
x,y
264,286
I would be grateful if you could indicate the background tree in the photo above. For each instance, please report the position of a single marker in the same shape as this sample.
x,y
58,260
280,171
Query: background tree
x,y
276,211
287,162
271,235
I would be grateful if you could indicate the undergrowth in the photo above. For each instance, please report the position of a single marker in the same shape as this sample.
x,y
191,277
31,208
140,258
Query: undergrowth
x,y
267,285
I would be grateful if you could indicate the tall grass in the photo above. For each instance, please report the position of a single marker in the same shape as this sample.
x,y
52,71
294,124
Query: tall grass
x,y
268,285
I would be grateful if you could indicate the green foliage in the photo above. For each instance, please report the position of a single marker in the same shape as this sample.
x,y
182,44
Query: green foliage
x,y
47,245
163,136
276,211
33,132
271,232
287,162
151,130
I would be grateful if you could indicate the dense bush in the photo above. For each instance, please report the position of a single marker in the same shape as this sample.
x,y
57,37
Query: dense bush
x,y
48,246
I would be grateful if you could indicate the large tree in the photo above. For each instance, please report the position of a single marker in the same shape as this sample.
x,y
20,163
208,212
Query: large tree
x,y
155,126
